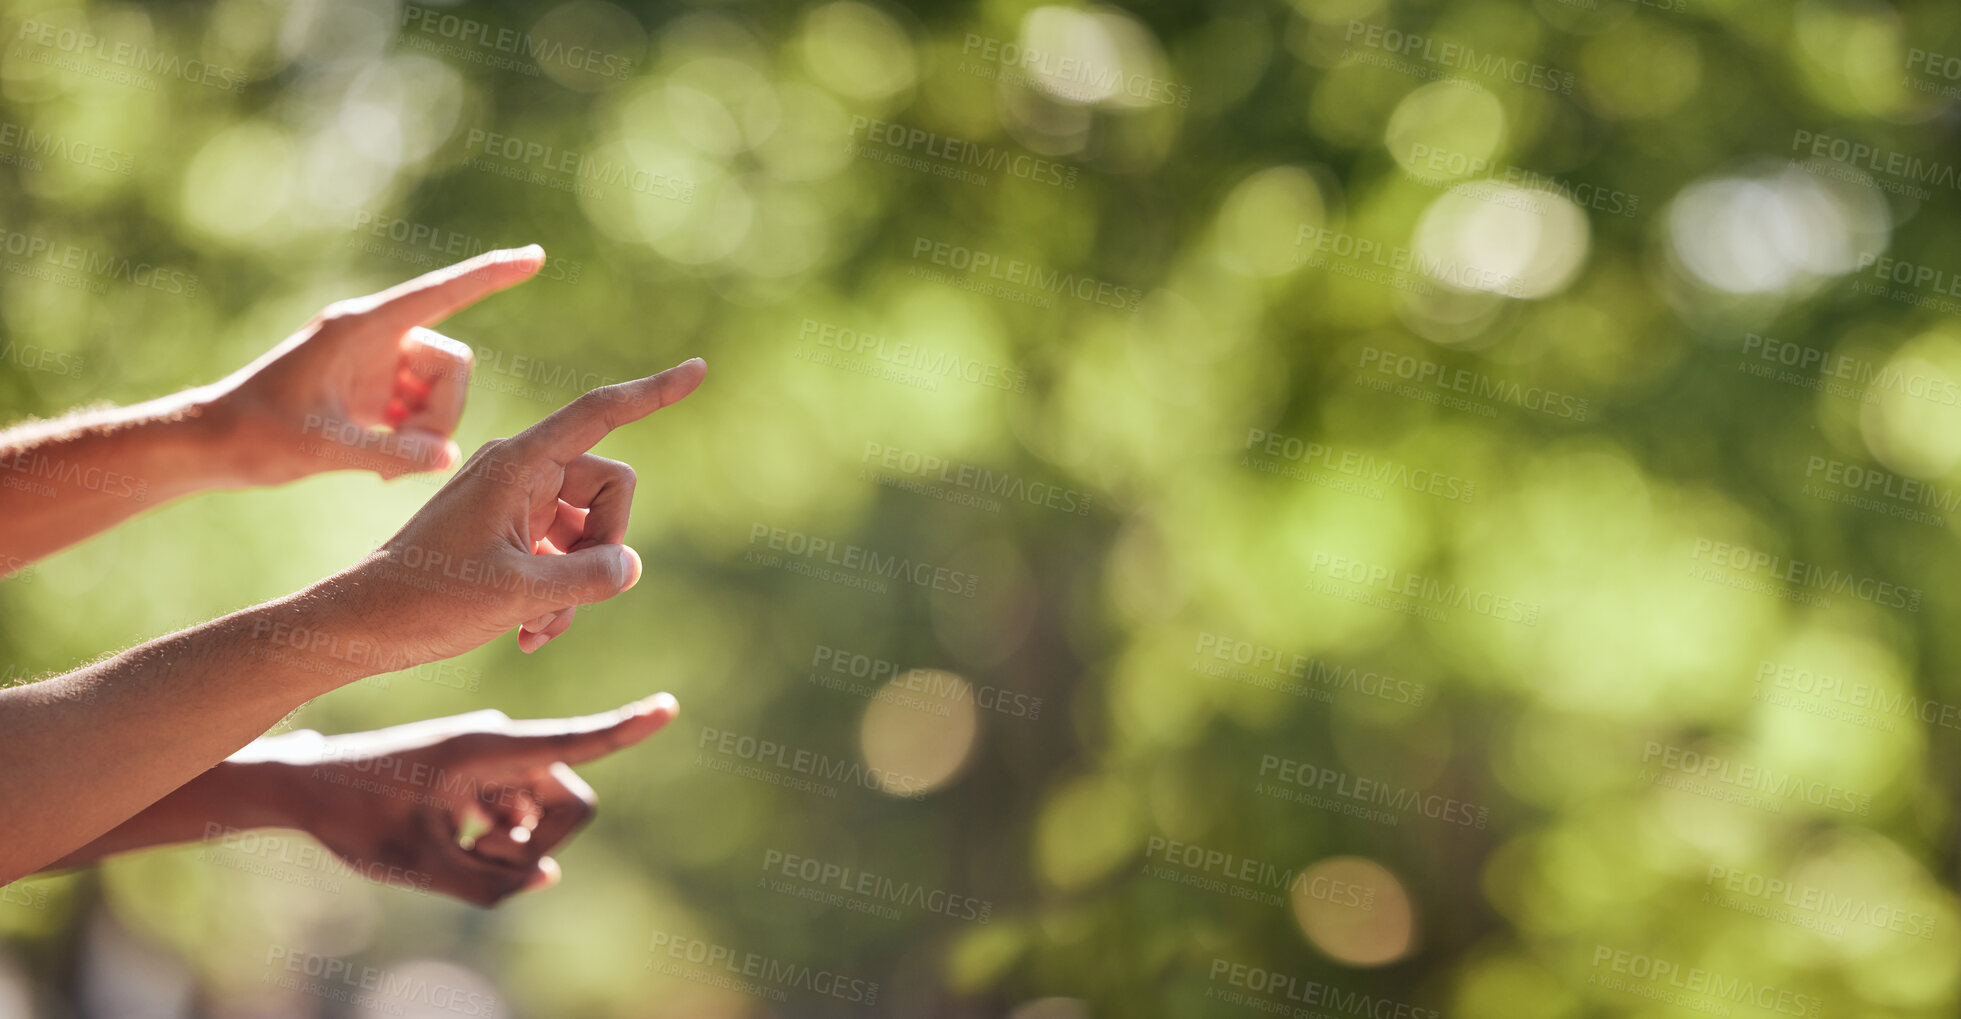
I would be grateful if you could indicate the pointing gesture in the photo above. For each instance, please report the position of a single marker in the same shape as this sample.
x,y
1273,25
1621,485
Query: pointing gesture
x,y
469,806
120,753
367,384
578,426
531,528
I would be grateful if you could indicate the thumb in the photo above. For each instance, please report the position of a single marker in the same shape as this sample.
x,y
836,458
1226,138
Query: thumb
x,y
588,575
393,453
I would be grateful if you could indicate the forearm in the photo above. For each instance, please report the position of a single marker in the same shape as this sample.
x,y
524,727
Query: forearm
x,y
233,795
87,751
64,479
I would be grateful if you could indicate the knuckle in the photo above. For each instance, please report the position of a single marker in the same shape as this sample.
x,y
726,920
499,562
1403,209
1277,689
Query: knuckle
x,y
482,718
487,451
445,347
577,787
343,311
598,403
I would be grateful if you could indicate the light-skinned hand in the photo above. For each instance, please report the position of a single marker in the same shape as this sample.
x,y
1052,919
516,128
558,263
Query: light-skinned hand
x,y
366,385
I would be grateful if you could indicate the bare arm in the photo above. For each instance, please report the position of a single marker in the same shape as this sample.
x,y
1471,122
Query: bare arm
x,y
469,806
364,386
530,530
232,796
63,480
85,751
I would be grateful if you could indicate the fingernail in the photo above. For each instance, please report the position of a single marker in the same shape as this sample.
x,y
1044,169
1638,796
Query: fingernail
x,y
625,574
659,704
527,252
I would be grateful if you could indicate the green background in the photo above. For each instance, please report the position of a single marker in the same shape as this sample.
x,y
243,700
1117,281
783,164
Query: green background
x,y
1655,214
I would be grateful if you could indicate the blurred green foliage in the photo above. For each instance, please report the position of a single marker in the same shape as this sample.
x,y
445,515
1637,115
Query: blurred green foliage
x,y
1369,518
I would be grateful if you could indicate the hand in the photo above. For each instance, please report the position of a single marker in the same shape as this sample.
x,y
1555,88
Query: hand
x,y
529,529
364,385
469,806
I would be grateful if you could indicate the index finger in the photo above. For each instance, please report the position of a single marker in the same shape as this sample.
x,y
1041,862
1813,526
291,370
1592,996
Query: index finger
x,y
440,293
586,738
578,426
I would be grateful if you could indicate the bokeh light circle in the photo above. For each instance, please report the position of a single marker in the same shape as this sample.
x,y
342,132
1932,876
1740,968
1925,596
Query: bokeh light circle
x,y
919,730
1354,910
1504,239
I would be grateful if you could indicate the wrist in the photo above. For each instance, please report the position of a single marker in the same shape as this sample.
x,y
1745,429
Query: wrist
x,y
230,432
263,794
155,451
385,605
322,637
